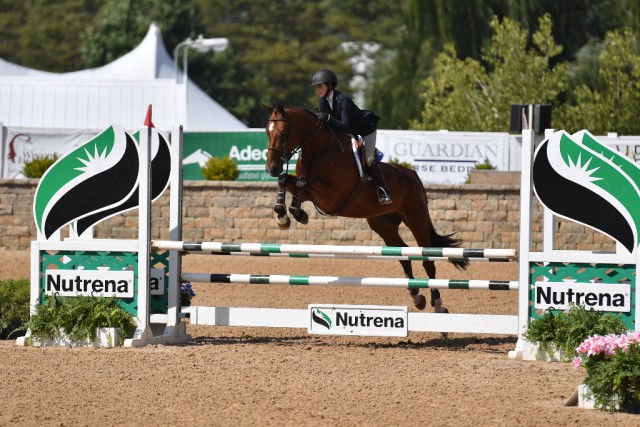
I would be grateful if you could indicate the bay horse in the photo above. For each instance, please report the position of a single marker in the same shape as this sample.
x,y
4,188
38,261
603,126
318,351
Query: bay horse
x,y
327,175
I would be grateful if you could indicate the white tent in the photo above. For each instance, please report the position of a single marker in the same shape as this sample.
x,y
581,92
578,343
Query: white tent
x,y
117,93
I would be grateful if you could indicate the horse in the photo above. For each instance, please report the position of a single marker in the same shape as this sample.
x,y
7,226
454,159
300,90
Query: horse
x,y
327,176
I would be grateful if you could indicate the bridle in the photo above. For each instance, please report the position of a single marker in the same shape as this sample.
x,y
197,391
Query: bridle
x,y
286,134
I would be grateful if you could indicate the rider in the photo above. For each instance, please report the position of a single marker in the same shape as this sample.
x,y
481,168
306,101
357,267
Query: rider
x,y
339,111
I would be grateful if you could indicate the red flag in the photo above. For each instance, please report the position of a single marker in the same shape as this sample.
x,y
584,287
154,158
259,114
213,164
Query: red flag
x,y
147,120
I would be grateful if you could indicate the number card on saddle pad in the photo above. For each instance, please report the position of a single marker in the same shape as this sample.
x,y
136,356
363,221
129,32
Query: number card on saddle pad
x,y
364,320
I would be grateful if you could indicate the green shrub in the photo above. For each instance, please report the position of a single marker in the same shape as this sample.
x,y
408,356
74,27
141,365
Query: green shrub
x,y
79,317
14,306
38,166
394,161
485,165
567,330
220,169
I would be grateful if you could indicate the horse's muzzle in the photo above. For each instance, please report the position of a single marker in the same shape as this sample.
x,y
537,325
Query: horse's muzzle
x,y
274,169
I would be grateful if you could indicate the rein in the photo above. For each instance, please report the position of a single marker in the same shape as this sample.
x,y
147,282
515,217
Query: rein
x,y
287,133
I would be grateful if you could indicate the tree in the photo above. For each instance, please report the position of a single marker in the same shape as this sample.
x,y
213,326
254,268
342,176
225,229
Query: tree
x,y
44,34
464,95
121,25
613,105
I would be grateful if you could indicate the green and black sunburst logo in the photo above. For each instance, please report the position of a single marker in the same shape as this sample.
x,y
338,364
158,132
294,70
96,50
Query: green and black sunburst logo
x,y
321,318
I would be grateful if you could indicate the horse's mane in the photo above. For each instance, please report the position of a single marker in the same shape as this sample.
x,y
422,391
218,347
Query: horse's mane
x,y
293,107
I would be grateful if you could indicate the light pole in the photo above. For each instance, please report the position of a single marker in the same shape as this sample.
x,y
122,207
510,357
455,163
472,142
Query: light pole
x,y
201,45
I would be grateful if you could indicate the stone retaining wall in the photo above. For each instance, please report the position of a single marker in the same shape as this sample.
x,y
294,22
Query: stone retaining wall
x,y
484,216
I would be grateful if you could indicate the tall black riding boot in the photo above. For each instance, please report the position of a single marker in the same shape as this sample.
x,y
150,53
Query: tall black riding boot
x,y
375,170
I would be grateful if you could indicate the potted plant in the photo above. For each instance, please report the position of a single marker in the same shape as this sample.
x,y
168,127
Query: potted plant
x,y
80,321
556,336
612,363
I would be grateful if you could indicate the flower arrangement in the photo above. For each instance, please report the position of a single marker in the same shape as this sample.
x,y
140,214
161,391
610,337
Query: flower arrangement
x,y
566,330
186,294
612,363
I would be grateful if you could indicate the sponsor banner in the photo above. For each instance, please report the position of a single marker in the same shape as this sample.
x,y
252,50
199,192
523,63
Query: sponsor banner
x,y
444,157
592,296
25,144
156,281
93,283
365,320
247,148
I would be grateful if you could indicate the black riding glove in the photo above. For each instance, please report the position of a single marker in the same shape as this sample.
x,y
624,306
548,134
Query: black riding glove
x,y
324,117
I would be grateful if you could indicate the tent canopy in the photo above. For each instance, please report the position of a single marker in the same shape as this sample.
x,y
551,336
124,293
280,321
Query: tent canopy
x,y
116,93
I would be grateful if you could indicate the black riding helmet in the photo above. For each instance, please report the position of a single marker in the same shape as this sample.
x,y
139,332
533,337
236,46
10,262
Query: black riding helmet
x,y
325,76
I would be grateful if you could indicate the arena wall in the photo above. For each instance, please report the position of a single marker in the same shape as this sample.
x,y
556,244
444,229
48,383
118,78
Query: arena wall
x,y
484,215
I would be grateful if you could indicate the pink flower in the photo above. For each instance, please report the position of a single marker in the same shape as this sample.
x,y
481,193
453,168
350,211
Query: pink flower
x,y
576,362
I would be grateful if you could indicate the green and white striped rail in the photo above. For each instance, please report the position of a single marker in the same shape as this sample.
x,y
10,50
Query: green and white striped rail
x,y
333,251
276,279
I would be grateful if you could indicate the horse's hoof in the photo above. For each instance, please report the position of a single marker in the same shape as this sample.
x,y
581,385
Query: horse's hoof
x,y
304,218
284,224
441,309
422,303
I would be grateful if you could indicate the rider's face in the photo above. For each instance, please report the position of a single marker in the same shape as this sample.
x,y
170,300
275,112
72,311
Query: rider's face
x,y
322,89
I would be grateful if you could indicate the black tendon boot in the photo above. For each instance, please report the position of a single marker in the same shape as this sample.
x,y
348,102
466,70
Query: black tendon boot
x,y
375,170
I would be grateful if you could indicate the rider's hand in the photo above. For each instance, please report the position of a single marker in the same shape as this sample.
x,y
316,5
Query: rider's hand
x,y
323,117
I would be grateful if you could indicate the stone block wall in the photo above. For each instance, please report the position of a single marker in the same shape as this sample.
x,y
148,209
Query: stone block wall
x,y
484,216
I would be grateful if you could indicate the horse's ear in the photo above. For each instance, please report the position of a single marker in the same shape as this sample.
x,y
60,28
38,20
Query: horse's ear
x,y
281,109
269,108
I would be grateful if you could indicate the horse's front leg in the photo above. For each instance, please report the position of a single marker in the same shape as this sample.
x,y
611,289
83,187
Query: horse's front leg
x,y
295,208
284,222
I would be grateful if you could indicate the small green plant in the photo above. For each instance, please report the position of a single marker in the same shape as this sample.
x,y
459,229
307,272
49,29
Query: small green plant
x,y
485,165
567,330
79,317
394,161
38,166
220,169
14,307
612,363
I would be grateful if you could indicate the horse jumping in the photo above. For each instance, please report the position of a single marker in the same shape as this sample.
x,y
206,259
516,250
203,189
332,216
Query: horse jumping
x,y
327,176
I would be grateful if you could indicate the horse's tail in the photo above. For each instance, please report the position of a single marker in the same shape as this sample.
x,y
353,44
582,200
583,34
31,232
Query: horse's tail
x,y
448,241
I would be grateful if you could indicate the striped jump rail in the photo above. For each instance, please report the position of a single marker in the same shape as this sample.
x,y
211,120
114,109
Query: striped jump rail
x,y
275,279
331,251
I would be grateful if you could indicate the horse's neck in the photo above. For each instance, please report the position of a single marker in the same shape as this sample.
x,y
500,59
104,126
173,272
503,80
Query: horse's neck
x,y
324,143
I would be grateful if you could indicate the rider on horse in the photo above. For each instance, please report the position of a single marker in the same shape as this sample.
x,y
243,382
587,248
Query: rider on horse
x,y
339,111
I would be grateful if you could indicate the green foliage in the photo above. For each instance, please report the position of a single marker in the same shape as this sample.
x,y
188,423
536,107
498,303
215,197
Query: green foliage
x,y
567,330
220,169
38,166
485,165
79,317
394,161
612,102
14,306
464,95
614,379
43,34
121,25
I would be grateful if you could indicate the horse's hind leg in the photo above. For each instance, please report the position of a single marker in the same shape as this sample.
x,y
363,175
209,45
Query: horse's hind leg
x,y
387,227
419,222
